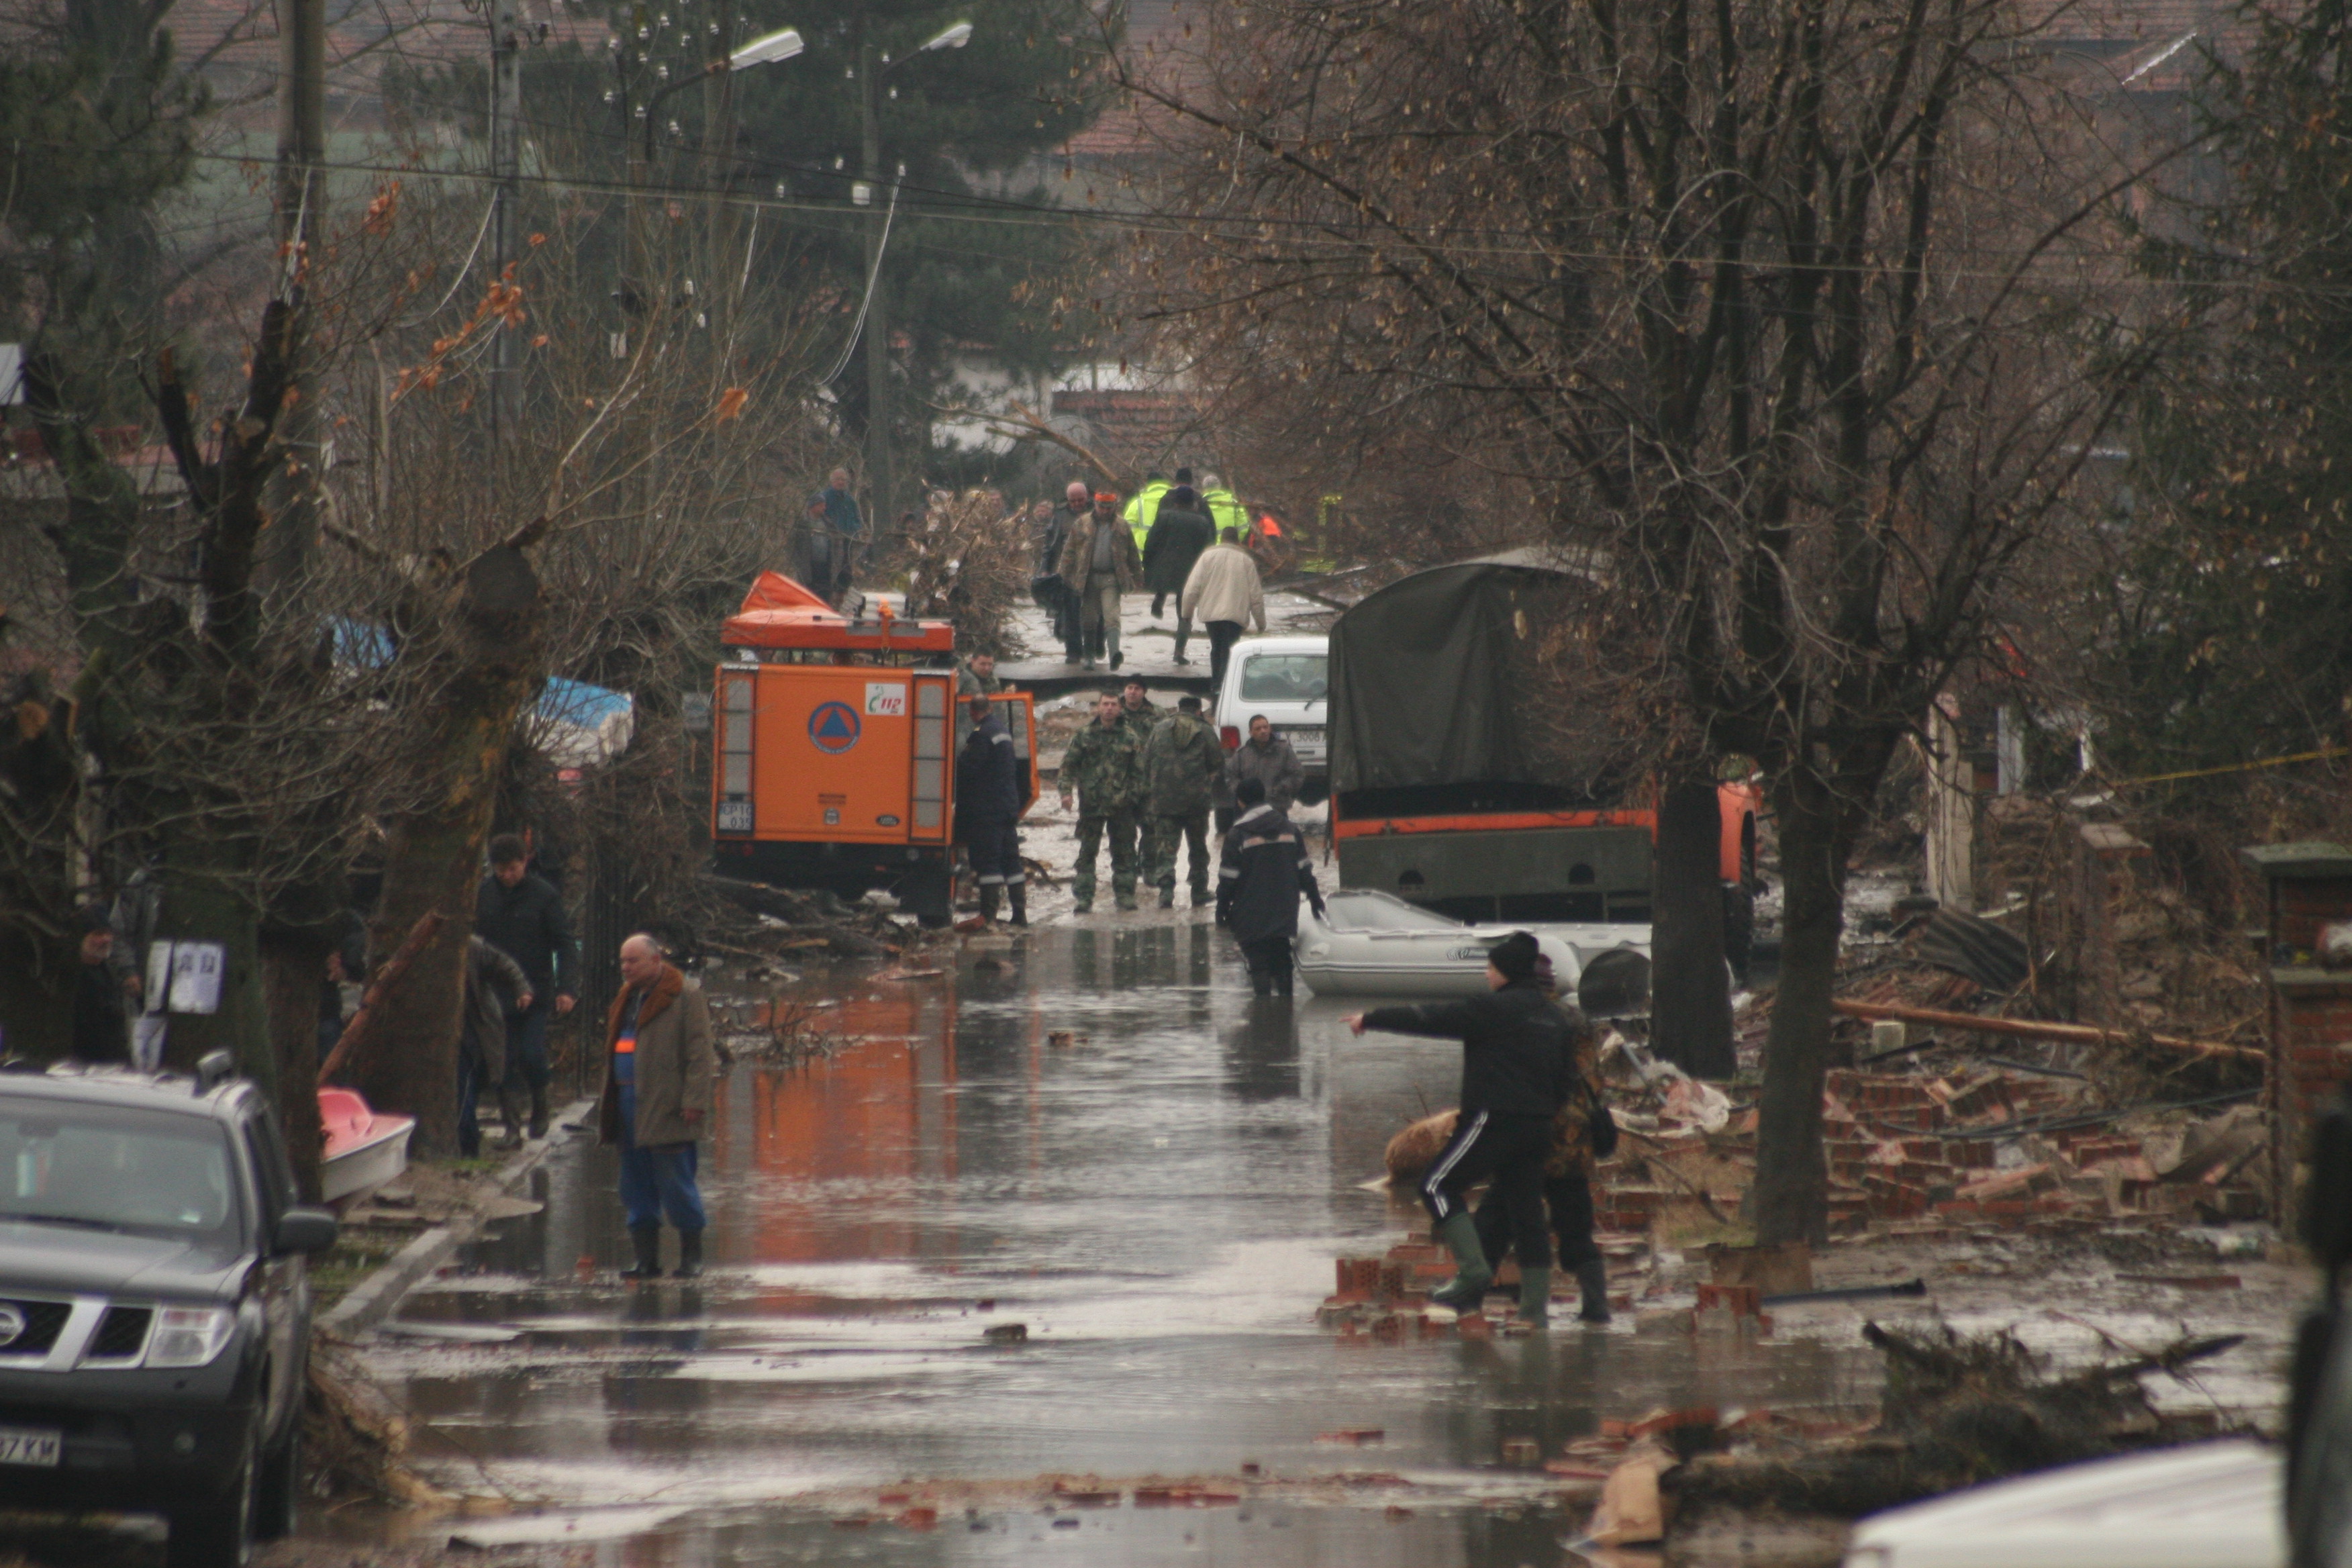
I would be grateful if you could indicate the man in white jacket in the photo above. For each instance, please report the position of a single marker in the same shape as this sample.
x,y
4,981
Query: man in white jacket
x,y
1223,592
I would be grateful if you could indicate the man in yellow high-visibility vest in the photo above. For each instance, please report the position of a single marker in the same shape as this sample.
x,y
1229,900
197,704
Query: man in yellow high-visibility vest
x,y
1144,508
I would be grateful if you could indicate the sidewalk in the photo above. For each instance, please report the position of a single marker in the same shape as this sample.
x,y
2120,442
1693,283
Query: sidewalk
x,y
449,1223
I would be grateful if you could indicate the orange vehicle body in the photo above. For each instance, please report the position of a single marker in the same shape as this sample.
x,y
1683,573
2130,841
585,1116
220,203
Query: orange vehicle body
x,y
833,742
1736,803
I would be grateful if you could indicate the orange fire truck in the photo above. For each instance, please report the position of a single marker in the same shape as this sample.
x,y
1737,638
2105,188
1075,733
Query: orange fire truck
x,y
834,740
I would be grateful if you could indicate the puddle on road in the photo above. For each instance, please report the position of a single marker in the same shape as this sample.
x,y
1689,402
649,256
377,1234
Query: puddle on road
x,y
1159,1203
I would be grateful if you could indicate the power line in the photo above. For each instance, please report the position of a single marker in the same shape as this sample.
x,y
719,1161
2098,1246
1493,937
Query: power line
x,y
1008,212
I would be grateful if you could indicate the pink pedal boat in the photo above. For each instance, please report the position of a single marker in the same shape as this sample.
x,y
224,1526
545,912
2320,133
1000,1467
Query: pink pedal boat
x,y
364,1149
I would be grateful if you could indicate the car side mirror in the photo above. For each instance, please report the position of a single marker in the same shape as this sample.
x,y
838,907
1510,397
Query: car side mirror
x,y
305,1230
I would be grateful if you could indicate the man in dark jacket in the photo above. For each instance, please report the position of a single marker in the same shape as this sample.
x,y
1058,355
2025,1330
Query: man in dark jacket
x,y
1054,594
1180,532
1570,1171
102,1002
1263,873
1517,1066
495,985
1182,765
1267,758
987,812
522,916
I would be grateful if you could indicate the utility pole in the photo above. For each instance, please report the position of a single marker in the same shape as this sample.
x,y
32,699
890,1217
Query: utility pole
x,y
301,217
506,218
878,312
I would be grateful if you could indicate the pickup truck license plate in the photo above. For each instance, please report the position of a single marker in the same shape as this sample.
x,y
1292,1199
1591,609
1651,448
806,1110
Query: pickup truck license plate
x,y
29,1445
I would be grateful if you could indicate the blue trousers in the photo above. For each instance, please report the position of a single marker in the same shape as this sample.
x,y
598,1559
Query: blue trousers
x,y
656,1180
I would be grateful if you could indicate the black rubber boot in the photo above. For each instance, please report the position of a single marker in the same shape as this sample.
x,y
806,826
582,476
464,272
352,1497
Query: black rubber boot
x,y
1535,1297
510,1112
1017,893
539,1111
646,1238
988,901
690,1255
1471,1273
1593,1279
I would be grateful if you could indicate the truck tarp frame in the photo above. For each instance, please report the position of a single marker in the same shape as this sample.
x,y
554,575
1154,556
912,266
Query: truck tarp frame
x,y
1428,679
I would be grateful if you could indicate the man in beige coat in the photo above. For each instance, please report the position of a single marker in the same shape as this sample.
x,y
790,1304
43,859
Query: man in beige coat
x,y
1099,564
660,1074
1223,591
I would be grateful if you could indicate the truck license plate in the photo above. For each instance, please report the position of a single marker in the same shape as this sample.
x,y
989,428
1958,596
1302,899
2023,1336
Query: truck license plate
x,y
29,1445
734,816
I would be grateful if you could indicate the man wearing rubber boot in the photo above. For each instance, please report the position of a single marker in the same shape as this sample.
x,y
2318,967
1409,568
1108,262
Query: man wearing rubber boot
x,y
659,1075
1567,1176
1182,765
1515,1048
1103,768
1265,871
522,916
987,812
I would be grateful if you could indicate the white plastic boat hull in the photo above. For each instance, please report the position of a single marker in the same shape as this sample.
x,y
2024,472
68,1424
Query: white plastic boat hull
x,y
1356,952
381,1156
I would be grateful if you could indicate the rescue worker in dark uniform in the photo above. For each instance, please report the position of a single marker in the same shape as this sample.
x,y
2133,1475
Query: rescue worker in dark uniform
x,y
1261,876
987,812
1515,1066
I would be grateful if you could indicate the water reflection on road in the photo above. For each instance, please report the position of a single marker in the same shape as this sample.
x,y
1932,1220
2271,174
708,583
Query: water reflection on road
x,y
1157,1201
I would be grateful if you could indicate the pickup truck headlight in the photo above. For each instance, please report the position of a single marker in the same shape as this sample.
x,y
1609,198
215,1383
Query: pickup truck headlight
x,y
189,1336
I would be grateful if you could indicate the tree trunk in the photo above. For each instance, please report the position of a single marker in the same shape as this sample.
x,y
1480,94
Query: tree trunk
x,y
1690,990
482,662
201,904
1790,1194
293,973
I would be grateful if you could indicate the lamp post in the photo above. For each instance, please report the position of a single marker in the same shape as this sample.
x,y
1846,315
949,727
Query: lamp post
x,y
872,68
777,45
637,295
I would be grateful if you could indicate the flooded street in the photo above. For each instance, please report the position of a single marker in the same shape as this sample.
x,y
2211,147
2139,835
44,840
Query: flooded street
x,y
1157,1202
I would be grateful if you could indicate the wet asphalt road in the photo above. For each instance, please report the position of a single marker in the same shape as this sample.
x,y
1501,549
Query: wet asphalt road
x,y
1159,1203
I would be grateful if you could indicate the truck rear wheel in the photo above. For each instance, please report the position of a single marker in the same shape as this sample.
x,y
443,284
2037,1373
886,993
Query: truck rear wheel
x,y
926,892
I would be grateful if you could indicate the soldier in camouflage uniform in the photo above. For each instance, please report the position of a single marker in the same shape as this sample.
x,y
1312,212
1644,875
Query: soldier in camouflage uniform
x,y
1182,765
1136,711
1104,768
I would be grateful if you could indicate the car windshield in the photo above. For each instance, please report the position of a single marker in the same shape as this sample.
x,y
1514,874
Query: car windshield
x,y
1285,677
114,1168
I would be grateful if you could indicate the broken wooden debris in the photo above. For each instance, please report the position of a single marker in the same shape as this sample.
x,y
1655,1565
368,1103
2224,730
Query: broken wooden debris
x,y
2036,1030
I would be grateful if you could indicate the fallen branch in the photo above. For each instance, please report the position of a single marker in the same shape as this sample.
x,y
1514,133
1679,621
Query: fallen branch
x,y
2032,1029
394,967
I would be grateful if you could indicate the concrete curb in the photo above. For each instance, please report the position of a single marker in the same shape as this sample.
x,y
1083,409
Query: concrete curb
x,y
375,1297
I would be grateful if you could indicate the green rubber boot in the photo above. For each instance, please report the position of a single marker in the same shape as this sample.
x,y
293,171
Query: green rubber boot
x,y
1534,1298
1593,1279
1471,1273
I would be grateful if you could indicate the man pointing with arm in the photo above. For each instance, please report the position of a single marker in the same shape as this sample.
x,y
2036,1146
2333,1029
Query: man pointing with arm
x,y
1516,1062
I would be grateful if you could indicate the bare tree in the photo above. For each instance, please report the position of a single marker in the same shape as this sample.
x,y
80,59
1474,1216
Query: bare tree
x,y
1778,303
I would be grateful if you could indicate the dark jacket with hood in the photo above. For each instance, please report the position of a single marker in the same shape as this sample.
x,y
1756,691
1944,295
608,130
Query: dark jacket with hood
x,y
1517,1046
1178,536
494,985
1265,872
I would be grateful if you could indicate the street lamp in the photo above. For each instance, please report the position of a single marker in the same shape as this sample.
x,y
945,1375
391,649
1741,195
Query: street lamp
x,y
778,45
877,319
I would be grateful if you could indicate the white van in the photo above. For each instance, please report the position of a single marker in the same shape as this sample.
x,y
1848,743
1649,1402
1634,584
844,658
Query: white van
x,y
1289,679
